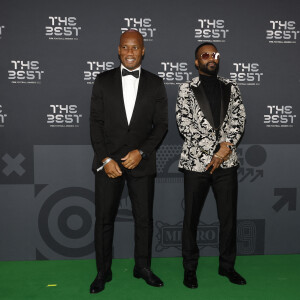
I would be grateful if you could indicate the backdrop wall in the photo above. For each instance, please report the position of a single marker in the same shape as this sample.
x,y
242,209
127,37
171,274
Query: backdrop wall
x,y
50,54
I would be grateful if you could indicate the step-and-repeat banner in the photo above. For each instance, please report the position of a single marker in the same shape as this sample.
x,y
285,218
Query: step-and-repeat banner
x,y
50,54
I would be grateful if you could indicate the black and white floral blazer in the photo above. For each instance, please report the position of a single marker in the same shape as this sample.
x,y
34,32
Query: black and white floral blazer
x,y
195,123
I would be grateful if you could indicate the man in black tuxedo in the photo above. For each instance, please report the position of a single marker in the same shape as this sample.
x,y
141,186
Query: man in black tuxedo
x,y
128,120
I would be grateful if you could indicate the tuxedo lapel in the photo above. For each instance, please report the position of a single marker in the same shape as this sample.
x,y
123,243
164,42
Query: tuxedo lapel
x,y
203,103
139,96
118,90
225,92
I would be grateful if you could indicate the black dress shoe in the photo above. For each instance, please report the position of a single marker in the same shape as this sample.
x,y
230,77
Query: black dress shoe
x,y
233,276
99,283
190,279
148,276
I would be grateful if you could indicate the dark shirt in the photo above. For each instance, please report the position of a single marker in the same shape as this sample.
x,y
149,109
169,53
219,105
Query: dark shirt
x,y
212,89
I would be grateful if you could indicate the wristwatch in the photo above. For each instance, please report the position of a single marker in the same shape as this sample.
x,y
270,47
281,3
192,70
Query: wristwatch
x,y
143,154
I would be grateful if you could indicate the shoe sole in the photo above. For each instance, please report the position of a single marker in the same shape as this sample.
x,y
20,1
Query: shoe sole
x,y
244,283
190,286
138,276
107,280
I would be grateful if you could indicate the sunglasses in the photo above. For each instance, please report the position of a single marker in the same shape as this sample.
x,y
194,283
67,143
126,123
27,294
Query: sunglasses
x,y
214,55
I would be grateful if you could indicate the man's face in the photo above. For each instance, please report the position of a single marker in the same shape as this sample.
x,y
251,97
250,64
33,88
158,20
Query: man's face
x,y
207,66
131,50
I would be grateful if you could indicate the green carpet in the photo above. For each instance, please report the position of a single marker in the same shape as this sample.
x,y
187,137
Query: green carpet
x,y
268,277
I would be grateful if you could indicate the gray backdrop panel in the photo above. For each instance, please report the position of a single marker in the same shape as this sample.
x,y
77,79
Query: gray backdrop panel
x,y
50,54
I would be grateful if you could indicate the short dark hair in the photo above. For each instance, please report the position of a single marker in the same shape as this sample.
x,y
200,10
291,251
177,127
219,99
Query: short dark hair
x,y
204,44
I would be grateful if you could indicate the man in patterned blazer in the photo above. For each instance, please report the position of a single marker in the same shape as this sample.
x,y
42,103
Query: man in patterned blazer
x,y
211,117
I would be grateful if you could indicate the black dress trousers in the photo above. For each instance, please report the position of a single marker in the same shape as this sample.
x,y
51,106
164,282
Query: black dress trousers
x,y
107,199
196,187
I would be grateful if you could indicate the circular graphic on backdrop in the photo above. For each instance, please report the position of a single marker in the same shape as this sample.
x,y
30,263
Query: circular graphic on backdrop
x,y
67,222
73,222
256,155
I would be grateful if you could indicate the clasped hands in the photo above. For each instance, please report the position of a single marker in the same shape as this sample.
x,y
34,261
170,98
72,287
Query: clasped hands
x,y
219,157
129,161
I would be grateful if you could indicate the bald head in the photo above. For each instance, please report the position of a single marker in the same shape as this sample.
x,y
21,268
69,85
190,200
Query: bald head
x,y
132,33
131,49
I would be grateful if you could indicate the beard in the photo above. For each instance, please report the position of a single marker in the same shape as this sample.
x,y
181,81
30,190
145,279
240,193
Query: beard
x,y
209,71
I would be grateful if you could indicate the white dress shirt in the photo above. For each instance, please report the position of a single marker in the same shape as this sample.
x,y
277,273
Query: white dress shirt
x,y
130,86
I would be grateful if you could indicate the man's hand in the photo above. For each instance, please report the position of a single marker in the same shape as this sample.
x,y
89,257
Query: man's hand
x,y
132,159
112,169
219,157
215,163
224,151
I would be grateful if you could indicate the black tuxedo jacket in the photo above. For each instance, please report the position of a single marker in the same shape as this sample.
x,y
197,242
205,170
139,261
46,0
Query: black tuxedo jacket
x,y
110,133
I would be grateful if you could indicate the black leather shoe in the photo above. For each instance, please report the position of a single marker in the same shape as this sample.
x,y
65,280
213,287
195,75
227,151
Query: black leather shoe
x,y
148,276
98,284
190,279
233,276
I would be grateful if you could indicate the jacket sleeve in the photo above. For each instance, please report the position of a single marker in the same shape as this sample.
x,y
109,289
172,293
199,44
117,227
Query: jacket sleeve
x,y
97,121
160,120
237,117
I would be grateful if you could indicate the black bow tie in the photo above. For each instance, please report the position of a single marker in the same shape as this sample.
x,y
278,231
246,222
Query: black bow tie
x,y
134,73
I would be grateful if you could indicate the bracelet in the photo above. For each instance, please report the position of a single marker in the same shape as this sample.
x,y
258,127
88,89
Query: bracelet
x,y
104,163
218,156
